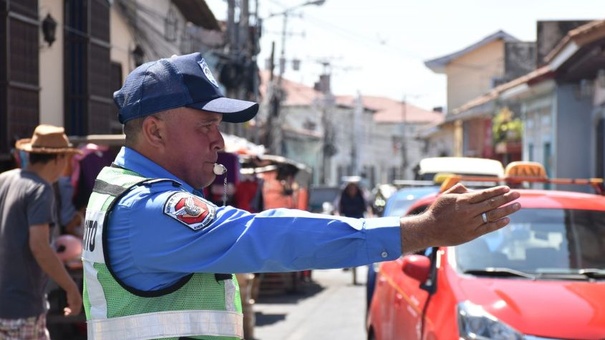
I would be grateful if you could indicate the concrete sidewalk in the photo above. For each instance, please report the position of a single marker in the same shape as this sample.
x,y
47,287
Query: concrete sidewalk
x,y
330,307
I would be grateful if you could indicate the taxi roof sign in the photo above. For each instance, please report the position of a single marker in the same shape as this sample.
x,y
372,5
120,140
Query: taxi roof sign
x,y
441,177
447,181
525,170
517,173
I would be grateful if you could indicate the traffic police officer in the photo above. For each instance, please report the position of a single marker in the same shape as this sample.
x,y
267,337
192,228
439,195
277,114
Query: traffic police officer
x,y
158,257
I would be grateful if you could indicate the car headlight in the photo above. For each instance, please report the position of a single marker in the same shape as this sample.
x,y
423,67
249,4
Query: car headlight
x,y
475,323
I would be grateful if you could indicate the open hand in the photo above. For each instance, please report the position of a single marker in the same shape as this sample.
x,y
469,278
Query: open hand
x,y
458,216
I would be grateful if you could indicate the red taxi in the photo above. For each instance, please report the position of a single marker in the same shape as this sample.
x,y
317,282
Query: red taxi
x,y
541,277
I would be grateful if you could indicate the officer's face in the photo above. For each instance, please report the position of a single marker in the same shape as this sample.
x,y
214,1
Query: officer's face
x,y
191,145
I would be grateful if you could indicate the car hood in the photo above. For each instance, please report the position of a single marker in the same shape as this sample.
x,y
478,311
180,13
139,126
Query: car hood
x,y
558,309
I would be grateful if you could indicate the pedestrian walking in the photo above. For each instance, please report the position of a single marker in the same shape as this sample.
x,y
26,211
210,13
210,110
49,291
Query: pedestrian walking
x,y
352,203
27,259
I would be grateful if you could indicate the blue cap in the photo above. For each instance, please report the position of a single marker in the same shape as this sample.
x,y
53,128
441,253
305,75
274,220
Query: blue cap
x,y
176,82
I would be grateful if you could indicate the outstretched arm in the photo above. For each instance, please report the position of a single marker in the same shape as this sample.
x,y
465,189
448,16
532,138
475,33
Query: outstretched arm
x,y
456,217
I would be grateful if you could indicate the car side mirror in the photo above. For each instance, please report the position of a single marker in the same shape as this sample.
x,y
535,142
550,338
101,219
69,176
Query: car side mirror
x,y
417,267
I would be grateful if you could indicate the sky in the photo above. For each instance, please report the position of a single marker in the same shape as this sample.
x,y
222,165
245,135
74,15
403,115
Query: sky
x,y
378,47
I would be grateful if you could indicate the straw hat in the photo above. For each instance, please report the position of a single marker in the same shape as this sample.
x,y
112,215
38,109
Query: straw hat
x,y
47,139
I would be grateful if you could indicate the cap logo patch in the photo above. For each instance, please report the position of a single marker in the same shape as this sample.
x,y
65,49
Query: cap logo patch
x,y
192,211
207,72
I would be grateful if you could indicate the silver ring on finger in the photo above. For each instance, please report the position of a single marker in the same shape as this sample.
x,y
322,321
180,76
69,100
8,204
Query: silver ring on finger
x,y
484,217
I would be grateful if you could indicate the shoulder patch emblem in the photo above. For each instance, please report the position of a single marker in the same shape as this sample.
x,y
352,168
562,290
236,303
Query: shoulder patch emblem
x,y
193,211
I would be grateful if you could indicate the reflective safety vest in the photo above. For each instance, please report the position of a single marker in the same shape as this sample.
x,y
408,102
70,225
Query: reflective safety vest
x,y
199,306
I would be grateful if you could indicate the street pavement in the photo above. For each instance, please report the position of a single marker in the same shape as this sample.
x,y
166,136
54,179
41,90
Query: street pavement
x,y
331,307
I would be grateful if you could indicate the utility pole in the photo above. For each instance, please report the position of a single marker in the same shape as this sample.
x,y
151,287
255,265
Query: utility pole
x,y
273,132
244,26
231,52
355,133
327,104
328,149
404,140
237,62
274,96
242,56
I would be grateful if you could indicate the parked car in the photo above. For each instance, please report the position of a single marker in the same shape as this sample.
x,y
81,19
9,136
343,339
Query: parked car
x,y
399,203
474,166
541,277
429,172
322,198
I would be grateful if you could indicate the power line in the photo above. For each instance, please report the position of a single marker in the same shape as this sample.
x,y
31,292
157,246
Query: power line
x,y
363,39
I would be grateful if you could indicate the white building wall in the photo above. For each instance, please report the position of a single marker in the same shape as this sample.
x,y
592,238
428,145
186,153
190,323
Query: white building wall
x,y
151,15
366,155
416,149
386,155
122,41
538,132
341,120
301,144
51,67
356,135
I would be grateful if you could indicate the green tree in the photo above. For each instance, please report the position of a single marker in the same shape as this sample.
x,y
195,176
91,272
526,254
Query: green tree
x,y
506,127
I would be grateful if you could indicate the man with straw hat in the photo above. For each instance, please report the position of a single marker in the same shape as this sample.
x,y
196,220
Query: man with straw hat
x,y
27,259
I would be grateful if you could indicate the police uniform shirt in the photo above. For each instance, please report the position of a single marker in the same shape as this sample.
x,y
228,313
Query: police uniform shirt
x,y
159,233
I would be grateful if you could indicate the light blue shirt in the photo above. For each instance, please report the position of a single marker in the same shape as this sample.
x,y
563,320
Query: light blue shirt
x,y
149,250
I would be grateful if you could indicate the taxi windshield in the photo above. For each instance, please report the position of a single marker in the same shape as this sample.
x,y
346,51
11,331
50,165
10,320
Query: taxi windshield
x,y
540,241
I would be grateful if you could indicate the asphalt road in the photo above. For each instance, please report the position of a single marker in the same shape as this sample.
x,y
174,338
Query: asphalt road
x,y
331,307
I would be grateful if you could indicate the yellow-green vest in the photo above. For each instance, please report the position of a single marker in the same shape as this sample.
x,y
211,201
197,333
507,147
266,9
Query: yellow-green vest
x,y
199,306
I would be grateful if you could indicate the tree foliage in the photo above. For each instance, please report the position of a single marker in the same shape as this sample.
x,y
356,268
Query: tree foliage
x,y
506,127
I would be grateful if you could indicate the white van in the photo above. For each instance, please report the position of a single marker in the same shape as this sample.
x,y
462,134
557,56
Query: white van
x,y
470,166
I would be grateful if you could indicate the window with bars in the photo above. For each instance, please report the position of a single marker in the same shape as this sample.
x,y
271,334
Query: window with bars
x,y
19,86
90,79
89,107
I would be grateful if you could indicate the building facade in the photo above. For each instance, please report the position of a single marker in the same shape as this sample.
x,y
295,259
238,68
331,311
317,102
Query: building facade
x,y
65,58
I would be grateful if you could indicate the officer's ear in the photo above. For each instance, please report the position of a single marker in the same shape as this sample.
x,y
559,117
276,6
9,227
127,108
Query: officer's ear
x,y
153,130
